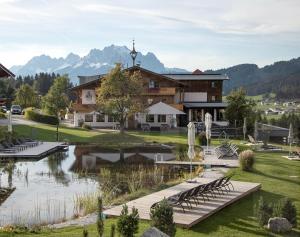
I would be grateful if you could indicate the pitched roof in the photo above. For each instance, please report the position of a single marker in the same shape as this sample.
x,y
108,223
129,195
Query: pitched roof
x,y
162,108
90,80
4,72
153,73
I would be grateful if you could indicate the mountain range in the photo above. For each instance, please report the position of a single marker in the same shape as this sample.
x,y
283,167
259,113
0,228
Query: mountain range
x,y
282,78
95,62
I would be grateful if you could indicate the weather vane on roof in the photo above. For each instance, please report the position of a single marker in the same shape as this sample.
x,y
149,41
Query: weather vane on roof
x,y
133,53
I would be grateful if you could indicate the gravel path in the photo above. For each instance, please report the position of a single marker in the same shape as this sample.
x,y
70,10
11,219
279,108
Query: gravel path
x,y
82,221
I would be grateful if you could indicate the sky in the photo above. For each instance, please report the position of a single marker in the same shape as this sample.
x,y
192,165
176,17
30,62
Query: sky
x,y
186,34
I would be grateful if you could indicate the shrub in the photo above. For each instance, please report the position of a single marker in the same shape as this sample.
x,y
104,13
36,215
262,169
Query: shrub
x,y
112,230
80,122
162,218
86,126
202,139
264,212
128,224
289,211
85,233
2,115
41,118
246,159
181,152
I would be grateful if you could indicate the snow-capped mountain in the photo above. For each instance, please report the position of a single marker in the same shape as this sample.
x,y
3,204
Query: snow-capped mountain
x,y
95,62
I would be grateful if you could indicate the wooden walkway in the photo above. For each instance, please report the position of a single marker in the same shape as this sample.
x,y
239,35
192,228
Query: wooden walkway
x,y
43,149
211,162
191,216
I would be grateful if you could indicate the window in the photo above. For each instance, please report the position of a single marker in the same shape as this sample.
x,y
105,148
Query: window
x,y
100,118
111,118
153,84
213,98
213,84
88,118
150,101
161,118
150,118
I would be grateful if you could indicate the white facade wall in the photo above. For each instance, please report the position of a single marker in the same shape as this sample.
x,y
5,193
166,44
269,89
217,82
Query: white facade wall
x,y
195,96
81,117
170,120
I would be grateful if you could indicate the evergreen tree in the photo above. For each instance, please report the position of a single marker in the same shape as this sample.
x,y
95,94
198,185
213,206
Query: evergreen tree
x,y
100,223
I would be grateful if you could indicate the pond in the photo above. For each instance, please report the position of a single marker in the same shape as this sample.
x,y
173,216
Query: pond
x,y
46,189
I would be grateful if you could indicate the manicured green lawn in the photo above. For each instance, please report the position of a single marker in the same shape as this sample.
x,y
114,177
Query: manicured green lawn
x,y
79,135
276,174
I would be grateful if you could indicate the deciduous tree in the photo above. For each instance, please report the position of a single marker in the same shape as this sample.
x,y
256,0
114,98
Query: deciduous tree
x,y
56,99
26,96
239,107
120,94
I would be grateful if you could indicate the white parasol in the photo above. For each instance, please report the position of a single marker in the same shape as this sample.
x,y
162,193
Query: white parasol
x,y
191,143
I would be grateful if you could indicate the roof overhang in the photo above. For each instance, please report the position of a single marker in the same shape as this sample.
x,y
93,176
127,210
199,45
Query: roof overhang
x,y
205,105
197,77
4,72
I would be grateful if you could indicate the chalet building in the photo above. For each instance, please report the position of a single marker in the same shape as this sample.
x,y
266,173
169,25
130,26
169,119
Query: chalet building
x,y
4,75
173,99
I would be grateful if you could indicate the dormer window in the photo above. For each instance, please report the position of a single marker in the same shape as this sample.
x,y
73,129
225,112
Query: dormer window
x,y
153,84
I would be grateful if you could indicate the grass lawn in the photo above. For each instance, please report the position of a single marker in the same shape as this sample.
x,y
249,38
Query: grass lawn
x,y
271,170
79,135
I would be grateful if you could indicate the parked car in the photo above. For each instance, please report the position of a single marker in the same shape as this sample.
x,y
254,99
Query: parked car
x,y
16,109
3,109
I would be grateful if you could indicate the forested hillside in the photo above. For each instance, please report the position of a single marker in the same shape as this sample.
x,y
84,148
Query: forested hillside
x,y
281,78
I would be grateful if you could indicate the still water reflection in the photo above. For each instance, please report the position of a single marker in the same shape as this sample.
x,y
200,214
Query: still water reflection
x,y
46,188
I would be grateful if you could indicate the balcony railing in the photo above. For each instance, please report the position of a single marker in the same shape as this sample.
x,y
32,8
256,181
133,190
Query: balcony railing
x,y
160,91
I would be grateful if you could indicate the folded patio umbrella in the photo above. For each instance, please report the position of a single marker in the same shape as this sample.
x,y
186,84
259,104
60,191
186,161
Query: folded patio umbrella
x,y
191,143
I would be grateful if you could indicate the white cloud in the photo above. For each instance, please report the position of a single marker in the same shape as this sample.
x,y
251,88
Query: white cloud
x,y
173,29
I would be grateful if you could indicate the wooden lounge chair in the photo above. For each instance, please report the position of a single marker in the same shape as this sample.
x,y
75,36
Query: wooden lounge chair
x,y
9,145
179,200
7,150
253,141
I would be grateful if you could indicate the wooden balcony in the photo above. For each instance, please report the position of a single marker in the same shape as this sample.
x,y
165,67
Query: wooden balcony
x,y
177,106
160,91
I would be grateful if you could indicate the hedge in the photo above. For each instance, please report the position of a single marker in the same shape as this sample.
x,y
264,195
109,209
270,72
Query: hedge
x,y
41,118
2,115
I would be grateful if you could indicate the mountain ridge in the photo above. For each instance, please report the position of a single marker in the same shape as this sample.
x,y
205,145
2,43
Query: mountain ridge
x,y
281,77
95,62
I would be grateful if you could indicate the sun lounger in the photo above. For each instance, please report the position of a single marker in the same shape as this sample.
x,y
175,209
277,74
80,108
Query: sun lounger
x,y
205,192
7,150
9,145
226,150
253,141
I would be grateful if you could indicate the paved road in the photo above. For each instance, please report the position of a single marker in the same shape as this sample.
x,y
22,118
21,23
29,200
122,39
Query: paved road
x,y
17,119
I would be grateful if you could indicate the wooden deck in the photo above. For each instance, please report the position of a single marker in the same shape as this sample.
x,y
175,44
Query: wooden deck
x,y
43,149
209,160
191,216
